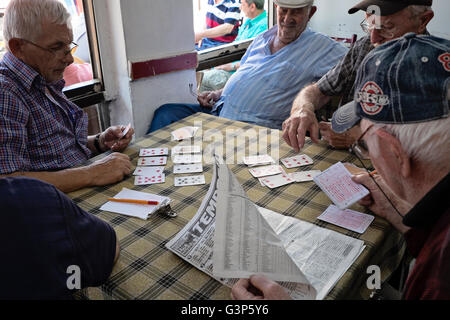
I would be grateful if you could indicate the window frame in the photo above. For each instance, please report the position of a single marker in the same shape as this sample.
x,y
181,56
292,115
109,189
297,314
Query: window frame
x,y
88,93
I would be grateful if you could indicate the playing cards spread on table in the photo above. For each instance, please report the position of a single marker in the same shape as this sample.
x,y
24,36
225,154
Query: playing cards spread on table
x,y
188,168
348,219
152,152
187,158
148,171
186,149
266,171
338,185
184,133
253,161
145,180
277,181
297,161
189,181
304,176
152,161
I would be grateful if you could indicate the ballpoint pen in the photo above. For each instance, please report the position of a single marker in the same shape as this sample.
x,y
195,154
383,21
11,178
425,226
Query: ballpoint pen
x,y
135,201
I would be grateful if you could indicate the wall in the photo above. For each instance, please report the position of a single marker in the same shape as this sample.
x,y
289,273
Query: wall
x,y
141,30
332,18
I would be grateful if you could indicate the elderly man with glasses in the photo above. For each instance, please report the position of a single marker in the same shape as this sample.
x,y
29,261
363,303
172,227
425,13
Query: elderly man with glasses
x,y
402,94
384,21
42,134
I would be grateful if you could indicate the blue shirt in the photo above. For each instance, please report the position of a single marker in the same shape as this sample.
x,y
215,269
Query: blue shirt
x,y
264,87
252,27
43,234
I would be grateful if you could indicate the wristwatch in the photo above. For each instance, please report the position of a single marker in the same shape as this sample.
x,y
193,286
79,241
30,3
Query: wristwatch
x,y
97,143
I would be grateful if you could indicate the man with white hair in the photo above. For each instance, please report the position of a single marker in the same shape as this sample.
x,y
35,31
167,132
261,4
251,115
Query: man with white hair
x,y
42,134
385,20
278,62
402,106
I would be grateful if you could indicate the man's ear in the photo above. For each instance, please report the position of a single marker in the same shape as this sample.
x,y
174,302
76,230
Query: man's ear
x,y
391,149
425,18
15,47
312,12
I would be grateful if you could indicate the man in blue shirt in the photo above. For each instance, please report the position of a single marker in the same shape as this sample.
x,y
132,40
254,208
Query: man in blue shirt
x,y
50,247
279,62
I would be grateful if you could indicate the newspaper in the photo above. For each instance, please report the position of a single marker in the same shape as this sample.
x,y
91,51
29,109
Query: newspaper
x,y
308,259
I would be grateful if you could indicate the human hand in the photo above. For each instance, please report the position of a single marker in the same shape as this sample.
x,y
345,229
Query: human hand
x,y
377,202
110,169
336,140
296,126
209,98
198,37
113,139
258,288
226,67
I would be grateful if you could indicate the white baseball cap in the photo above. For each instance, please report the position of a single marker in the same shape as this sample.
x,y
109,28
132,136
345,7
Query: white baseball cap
x,y
293,3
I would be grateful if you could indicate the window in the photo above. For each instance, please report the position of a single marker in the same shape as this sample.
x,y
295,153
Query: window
x,y
226,52
83,78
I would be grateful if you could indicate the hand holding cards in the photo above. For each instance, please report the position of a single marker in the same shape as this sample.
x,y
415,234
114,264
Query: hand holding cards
x,y
338,185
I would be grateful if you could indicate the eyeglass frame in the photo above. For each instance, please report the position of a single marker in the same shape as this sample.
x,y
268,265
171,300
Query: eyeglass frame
x,y
56,52
358,144
387,33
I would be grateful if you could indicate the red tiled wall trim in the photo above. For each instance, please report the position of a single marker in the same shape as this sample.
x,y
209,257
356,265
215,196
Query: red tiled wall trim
x,y
152,68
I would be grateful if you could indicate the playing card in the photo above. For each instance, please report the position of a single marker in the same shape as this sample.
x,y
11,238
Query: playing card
x,y
144,180
148,171
152,161
125,131
151,152
266,171
189,181
348,219
184,133
304,176
338,185
253,161
277,181
188,168
187,158
297,161
186,149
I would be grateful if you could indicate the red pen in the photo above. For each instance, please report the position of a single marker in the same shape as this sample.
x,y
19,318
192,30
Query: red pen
x,y
135,201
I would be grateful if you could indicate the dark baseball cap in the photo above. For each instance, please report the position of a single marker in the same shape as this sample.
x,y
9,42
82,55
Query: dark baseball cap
x,y
387,7
400,82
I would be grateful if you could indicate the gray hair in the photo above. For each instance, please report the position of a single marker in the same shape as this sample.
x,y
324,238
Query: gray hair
x,y
427,142
258,3
418,10
23,18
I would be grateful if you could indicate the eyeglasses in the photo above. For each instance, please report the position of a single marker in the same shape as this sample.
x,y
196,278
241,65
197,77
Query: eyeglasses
x,y
387,33
363,153
360,146
62,51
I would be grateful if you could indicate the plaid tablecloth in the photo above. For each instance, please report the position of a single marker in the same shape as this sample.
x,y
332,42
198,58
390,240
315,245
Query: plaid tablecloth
x,y
147,270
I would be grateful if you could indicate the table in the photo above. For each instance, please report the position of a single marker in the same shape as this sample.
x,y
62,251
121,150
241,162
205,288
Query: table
x,y
147,270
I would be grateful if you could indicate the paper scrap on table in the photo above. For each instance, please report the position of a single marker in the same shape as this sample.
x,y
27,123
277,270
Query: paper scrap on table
x,y
184,133
338,185
348,219
148,171
132,209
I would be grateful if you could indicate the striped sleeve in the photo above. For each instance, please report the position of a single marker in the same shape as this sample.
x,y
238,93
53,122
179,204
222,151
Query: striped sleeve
x,y
233,14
